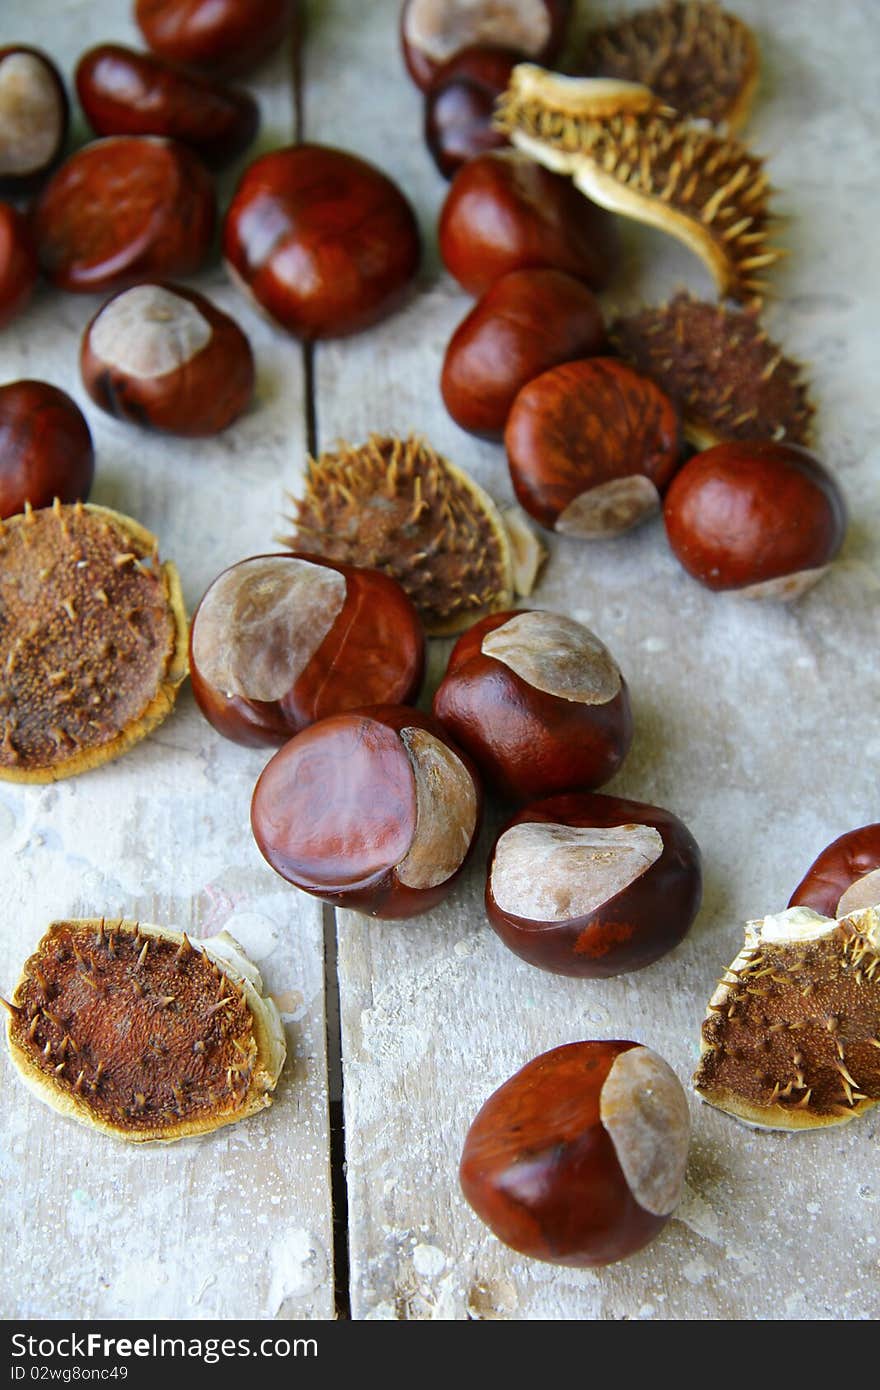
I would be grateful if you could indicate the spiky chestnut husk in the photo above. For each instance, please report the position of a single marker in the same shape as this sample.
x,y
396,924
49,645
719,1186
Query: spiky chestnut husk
x,y
696,57
791,1038
134,1031
397,506
728,378
628,152
93,640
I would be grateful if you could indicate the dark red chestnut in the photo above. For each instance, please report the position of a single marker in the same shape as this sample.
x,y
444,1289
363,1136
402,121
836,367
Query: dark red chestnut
x,y
765,519
279,641
593,886
591,446
169,359
222,37
434,31
325,242
538,702
504,212
124,92
524,324
45,447
18,264
373,810
460,106
33,116
845,877
579,1159
123,209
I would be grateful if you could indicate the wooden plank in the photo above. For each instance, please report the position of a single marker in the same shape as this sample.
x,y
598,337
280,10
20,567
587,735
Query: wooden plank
x,y
238,1224
757,724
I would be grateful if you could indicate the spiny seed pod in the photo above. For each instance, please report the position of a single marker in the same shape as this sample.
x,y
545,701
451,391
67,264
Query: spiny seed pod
x,y
93,640
791,1038
134,1031
397,506
845,877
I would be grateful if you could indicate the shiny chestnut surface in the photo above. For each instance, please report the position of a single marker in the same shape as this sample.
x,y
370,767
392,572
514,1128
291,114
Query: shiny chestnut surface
x,y
123,209
503,212
845,876
631,871
432,32
324,241
755,516
124,92
280,641
18,263
527,322
33,116
460,106
579,1158
45,447
219,36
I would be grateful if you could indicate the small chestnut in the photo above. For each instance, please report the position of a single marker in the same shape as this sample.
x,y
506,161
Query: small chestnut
x,y
460,106
592,885
373,810
527,322
222,37
279,641
323,241
503,212
591,446
33,116
434,31
579,1159
167,358
845,876
765,519
45,448
538,702
18,263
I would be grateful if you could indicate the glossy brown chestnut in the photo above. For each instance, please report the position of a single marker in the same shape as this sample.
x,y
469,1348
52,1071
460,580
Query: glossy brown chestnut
x,y
845,877
167,358
591,446
222,37
460,106
45,447
127,208
374,810
33,116
434,31
18,264
325,242
124,92
593,886
279,641
579,1159
503,212
527,322
765,519
538,702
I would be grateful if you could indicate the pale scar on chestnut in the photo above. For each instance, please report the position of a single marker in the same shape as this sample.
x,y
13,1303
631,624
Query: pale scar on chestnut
x,y
548,872
557,655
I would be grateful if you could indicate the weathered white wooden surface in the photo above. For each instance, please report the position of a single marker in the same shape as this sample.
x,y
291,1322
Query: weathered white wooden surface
x,y
238,1224
757,724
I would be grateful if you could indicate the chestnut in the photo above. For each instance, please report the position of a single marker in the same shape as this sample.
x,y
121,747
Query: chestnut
x,y
592,885
324,242
845,877
591,445
279,641
374,810
222,37
761,518
460,106
124,92
579,1159
45,448
167,358
503,212
433,31
34,114
527,322
124,209
18,263
538,702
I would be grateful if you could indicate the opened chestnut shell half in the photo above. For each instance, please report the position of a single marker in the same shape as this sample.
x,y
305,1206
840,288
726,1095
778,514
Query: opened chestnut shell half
x,y
222,37
18,264
845,877
45,447
33,116
460,106
434,31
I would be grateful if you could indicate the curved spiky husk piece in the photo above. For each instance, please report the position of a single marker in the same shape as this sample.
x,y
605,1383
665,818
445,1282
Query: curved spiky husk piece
x,y
628,152
397,506
791,1039
729,379
695,56
136,1032
93,640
